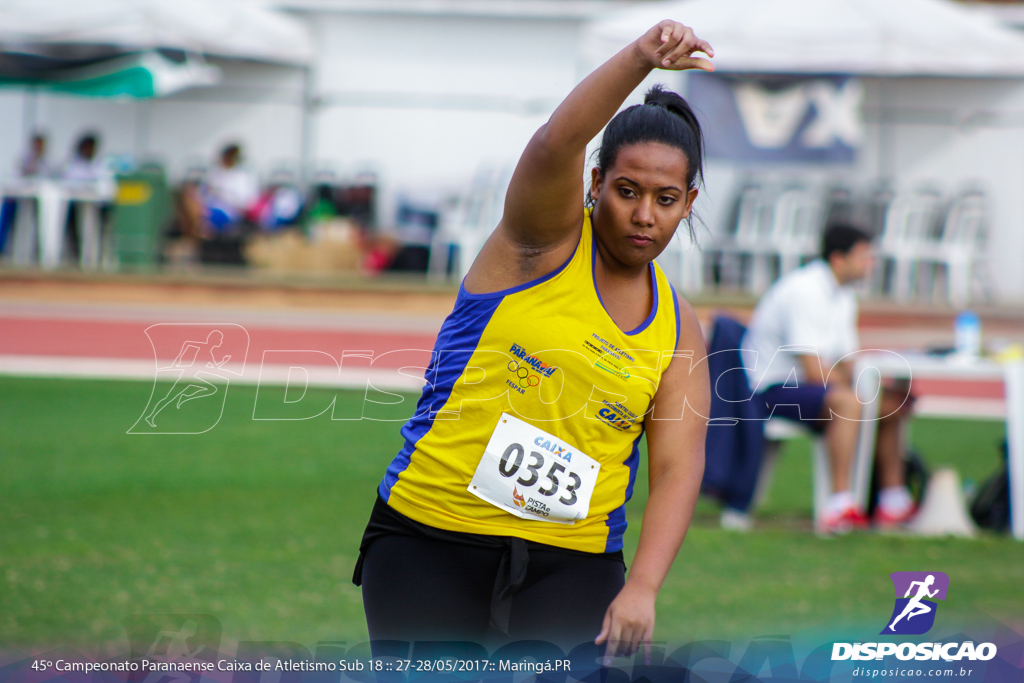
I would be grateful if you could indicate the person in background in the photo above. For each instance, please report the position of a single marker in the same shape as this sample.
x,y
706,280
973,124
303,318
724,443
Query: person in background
x,y
279,204
87,170
188,209
84,165
794,352
33,163
230,189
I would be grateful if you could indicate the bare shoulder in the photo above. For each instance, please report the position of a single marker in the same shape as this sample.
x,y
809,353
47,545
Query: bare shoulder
x,y
691,335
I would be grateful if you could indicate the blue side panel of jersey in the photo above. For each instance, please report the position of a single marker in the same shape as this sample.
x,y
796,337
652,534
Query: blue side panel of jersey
x,y
456,342
675,302
617,518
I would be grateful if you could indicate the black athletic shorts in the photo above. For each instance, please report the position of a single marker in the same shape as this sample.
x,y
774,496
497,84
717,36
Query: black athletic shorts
x,y
423,583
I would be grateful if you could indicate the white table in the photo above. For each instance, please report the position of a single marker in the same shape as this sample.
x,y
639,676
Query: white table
x,y
872,367
42,211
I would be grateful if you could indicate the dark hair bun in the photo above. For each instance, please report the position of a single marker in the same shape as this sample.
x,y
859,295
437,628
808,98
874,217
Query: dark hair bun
x,y
664,117
666,98
671,101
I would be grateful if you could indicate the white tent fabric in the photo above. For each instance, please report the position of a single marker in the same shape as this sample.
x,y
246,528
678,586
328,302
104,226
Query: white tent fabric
x,y
862,37
226,28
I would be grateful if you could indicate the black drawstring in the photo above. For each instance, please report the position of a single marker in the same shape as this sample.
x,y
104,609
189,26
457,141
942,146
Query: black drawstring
x,y
510,577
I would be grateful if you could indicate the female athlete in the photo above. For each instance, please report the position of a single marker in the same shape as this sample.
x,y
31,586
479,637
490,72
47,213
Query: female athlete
x,y
502,517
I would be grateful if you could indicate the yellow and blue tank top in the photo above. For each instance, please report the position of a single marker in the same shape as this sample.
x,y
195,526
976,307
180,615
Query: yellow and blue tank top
x,y
548,353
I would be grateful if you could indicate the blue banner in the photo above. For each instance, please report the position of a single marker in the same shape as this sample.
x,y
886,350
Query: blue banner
x,y
779,118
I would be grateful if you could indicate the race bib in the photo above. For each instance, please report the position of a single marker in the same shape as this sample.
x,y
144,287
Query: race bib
x,y
534,475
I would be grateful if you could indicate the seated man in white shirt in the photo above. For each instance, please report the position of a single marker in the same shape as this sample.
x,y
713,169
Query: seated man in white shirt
x,y
794,354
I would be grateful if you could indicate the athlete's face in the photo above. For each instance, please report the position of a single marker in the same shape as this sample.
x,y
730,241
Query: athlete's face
x,y
640,200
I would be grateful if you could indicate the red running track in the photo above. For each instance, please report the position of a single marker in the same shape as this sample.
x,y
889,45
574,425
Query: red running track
x,y
128,340
75,338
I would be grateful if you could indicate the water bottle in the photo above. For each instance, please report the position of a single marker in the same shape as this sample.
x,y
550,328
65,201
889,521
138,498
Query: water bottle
x,y
967,333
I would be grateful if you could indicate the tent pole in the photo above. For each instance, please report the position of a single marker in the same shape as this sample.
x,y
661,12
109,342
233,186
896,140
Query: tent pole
x,y
886,138
142,119
306,128
30,112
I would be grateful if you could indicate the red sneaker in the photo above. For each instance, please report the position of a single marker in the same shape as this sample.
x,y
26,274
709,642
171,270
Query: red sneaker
x,y
883,519
850,519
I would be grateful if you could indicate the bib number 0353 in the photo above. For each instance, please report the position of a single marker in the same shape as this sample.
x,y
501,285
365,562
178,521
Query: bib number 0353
x,y
533,474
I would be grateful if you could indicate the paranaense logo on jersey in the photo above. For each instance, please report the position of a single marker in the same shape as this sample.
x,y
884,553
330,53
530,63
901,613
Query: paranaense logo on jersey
x,y
914,615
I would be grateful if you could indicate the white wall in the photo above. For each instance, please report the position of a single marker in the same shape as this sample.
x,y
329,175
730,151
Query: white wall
x,y
425,100
12,133
955,134
257,105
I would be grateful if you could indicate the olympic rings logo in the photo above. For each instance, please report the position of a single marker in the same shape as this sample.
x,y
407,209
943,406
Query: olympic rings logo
x,y
524,376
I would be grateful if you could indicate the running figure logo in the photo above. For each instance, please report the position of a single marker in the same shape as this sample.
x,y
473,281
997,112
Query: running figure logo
x,y
914,613
205,356
197,385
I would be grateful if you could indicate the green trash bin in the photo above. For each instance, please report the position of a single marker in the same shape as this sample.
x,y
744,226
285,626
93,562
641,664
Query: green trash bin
x,y
141,211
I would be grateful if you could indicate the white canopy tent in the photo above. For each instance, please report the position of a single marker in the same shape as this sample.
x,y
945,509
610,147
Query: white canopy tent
x,y
857,37
97,49
225,28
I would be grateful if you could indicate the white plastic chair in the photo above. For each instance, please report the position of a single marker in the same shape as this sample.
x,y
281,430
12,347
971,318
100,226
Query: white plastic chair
x,y
467,223
24,233
959,252
39,223
905,240
749,240
796,227
774,226
683,262
777,430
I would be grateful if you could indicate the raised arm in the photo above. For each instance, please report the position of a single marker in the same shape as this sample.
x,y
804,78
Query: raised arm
x,y
544,203
675,454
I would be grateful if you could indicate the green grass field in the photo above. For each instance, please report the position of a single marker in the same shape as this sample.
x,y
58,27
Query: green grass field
x,y
257,523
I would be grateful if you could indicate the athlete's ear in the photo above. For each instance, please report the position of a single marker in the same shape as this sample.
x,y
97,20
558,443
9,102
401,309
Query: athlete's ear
x,y
691,195
595,183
